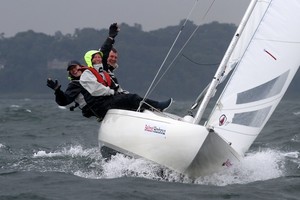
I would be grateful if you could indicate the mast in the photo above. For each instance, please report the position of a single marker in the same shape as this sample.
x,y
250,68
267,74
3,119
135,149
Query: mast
x,y
216,79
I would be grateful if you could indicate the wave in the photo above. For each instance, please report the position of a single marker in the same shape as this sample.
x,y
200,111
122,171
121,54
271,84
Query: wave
x,y
256,166
88,163
17,108
62,107
296,113
73,151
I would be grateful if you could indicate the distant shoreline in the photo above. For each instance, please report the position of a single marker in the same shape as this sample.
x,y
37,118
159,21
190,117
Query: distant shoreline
x,y
52,96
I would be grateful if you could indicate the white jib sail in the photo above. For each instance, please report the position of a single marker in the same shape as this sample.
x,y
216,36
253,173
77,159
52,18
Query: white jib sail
x,y
265,67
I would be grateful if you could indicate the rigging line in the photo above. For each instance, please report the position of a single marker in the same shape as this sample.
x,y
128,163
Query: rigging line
x,y
179,33
189,59
204,16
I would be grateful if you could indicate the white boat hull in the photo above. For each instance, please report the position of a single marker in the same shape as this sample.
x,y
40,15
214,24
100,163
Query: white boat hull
x,y
187,148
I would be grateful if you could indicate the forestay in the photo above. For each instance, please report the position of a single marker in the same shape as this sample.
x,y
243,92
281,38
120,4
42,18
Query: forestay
x,y
266,58
252,23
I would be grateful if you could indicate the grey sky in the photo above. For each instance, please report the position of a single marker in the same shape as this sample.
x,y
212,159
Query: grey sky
x,y
67,15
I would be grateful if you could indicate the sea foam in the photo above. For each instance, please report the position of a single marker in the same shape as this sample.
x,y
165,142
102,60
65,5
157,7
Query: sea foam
x,y
255,166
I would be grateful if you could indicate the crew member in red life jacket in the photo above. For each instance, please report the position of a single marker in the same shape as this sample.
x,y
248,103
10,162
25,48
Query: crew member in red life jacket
x,y
107,95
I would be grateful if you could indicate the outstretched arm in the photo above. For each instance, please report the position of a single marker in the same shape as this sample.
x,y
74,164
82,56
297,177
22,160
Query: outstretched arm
x,y
108,44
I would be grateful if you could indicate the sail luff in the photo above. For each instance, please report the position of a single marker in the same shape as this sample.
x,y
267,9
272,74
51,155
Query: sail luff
x,y
216,79
262,75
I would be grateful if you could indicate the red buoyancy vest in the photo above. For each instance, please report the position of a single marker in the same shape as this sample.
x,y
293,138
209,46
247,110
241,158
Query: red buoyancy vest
x,y
100,79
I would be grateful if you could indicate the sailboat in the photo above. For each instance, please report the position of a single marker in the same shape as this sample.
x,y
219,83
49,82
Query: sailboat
x,y
258,66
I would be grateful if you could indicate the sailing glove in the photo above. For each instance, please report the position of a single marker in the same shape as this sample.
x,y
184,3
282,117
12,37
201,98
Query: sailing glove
x,y
53,84
113,30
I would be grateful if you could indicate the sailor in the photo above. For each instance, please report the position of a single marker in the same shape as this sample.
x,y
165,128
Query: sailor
x,y
96,60
74,91
112,63
112,60
107,94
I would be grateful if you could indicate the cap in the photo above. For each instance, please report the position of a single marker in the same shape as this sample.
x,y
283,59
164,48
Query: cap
x,y
73,63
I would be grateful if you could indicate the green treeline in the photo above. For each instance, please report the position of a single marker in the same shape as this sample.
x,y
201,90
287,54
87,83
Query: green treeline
x,y
29,58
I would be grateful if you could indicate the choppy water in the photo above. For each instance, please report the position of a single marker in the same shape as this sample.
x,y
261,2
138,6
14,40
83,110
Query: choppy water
x,y
48,152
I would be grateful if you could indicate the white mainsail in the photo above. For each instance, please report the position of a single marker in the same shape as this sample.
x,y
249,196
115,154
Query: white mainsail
x,y
250,27
269,59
